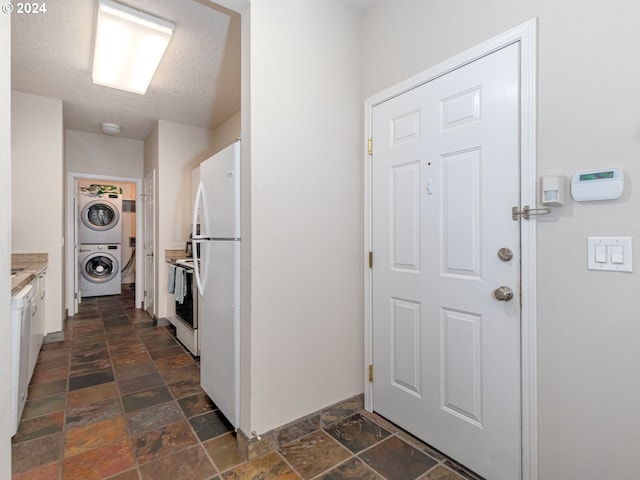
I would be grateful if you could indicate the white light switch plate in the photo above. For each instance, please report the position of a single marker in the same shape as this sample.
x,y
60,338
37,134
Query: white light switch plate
x,y
613,254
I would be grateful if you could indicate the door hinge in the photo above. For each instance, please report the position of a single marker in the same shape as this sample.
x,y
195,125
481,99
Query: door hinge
x,y
371,373
370,259
370,146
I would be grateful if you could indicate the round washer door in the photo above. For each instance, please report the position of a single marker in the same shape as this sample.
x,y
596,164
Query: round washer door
x,y
99,267
100,215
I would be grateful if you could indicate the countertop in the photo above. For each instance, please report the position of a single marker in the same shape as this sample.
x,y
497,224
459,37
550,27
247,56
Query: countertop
x,y
171,256
29,266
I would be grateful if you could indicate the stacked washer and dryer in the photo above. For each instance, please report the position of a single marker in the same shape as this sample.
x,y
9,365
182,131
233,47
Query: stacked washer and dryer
x,y
100,237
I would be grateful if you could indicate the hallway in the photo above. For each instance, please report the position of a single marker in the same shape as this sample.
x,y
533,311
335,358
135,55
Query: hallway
x,y
120,399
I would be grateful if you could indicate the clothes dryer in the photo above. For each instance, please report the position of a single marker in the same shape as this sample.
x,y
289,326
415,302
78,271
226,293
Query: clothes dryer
x,y
100,270
100,218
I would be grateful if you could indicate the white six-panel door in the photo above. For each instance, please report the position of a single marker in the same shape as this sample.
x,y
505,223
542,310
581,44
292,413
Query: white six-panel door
x,y
446,351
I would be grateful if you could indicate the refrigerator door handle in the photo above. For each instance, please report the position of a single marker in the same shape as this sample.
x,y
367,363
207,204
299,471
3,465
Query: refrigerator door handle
x,y
195,238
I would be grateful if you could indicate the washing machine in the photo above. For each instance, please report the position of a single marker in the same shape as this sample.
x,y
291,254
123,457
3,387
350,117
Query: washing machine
x,y
99,270
100,218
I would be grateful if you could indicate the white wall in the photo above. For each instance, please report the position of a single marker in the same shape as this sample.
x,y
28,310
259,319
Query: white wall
x,y
5,242
226,133
589,322
38,191
103,155
306,214
181,148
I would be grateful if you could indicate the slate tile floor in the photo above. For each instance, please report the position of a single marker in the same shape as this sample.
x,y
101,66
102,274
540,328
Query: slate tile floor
x,y
120,399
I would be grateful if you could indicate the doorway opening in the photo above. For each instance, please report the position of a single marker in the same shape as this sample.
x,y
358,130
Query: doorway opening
x,y
104,249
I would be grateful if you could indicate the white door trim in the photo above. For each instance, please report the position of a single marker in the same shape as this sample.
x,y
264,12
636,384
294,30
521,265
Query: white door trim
x,y
71,241
526,35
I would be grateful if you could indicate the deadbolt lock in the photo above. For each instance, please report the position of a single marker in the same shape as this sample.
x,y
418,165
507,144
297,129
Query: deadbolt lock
x,y
505,254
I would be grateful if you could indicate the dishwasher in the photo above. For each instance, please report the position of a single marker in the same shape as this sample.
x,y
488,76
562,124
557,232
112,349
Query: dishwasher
x,y
21,304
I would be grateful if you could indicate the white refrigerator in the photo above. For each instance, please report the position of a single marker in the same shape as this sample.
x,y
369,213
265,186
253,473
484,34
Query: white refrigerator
x,y
218,278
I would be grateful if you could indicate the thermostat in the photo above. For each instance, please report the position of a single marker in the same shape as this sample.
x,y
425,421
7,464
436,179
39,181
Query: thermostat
x,y
597,185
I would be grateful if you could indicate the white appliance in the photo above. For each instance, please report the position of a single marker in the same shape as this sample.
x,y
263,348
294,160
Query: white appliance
x,y
100,270
100,218
20,325
218,278
187,311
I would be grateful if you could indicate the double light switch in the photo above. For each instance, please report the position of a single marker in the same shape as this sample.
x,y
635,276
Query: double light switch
x,y
610,254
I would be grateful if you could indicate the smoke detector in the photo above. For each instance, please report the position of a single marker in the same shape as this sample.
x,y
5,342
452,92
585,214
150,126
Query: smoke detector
x,y
110,128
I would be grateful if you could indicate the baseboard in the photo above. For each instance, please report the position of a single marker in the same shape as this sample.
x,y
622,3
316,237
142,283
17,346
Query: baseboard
x,y
255,446
54,337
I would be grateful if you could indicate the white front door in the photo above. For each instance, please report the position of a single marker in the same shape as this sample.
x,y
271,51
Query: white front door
x,y
149,244
446,351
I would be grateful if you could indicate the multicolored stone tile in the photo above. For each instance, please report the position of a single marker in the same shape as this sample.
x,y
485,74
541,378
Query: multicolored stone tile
x,y
36,453
352,469
93,412
224,452
314,453
163,442
191,463
50,471
99,463
441,473
210,425
267,467
169,363
42,406
166,352
48,376
357,433
196,405
186,388
91,379
342,410
143,382
181,374
39,427
395,459
146,398
153,418
114,358
89,395
40,390
81,439
134,369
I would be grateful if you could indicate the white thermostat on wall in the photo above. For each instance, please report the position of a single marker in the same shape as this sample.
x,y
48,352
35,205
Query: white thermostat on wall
x,y
592,185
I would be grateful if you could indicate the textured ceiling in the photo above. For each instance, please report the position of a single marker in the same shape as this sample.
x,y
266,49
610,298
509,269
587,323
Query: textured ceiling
x,y
197,82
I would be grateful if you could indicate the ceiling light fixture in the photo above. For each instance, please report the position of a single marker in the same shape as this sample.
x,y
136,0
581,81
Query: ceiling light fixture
x,y
110,128
129,45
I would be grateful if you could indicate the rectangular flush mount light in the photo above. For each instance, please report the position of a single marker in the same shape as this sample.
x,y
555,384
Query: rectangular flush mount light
x,y
129,46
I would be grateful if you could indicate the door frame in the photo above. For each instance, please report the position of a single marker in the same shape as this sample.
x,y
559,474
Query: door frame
x,y
149,282
526,35
72,241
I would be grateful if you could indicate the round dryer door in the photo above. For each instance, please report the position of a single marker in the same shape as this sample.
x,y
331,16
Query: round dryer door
x,y
99,267
100,215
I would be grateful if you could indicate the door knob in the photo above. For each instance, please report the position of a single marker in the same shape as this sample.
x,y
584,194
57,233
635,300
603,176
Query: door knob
x,y
503,293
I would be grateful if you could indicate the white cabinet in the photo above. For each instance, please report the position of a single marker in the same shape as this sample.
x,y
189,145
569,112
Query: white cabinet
x,y
36,334
21,307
